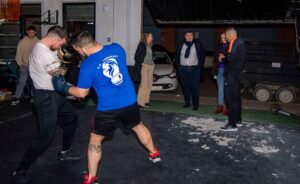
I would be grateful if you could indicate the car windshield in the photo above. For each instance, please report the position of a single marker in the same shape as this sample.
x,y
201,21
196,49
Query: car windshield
x,y
161,59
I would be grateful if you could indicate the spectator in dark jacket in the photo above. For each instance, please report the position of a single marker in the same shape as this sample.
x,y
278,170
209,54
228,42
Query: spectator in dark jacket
x,y
189,60
219,73
234,69
144,69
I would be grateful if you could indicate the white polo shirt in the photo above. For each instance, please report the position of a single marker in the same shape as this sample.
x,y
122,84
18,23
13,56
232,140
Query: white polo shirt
x,y
42,60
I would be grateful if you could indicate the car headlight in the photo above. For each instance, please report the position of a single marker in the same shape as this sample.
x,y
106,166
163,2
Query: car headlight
x,y
172,75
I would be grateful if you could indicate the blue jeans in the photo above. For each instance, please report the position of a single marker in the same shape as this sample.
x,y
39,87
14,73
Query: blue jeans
x,y
220,82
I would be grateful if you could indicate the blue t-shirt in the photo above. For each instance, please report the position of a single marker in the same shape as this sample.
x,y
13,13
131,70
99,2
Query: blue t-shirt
x,y
106,71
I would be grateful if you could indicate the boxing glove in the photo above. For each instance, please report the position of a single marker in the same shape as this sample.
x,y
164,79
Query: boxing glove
x,y
60,85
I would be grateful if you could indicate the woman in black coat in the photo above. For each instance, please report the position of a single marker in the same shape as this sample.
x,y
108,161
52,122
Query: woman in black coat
x,y
144,69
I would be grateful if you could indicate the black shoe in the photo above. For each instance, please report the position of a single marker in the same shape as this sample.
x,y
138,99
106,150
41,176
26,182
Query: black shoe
x,y
67,155
186,105
239,124
195,108
19,177
229,128
147,105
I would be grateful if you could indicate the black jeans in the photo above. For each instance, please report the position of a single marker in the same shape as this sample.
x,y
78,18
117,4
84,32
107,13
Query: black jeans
x,y
190,78
51,109
232,88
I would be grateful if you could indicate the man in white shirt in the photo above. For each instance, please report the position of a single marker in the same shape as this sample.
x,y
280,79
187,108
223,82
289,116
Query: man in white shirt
x,y
51,107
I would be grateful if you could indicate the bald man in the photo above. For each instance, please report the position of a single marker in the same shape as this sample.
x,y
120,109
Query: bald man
x,y
234,74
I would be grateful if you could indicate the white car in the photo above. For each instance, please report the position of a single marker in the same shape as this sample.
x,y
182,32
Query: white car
x,y
164,77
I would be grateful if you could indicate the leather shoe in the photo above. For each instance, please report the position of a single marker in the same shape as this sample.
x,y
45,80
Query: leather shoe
x,y
186,105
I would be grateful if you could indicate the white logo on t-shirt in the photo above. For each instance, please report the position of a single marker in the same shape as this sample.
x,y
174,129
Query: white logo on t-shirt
x,y
111,70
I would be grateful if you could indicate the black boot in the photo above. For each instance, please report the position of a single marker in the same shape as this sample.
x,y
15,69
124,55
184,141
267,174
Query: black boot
x,y
19,177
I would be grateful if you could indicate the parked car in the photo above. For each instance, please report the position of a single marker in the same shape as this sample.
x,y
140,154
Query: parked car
x,y
157,47
164,77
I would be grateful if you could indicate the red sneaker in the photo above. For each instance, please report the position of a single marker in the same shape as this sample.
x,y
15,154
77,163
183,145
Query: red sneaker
x,y
219,109
155,157
93,180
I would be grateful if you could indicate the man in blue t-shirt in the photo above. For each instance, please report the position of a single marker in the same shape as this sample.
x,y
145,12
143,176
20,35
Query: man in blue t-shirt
x,y
106,71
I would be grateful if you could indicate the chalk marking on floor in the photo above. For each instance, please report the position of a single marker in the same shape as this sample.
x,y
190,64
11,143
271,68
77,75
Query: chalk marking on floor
x,y
205,147
17,118
275,175
193,140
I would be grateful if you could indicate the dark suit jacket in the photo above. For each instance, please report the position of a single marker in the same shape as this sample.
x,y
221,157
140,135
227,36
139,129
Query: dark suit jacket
x,y
199,50
139,56
235,60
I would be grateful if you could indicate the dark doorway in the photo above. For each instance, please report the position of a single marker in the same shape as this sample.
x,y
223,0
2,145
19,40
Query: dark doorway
x,y
78,17
32,12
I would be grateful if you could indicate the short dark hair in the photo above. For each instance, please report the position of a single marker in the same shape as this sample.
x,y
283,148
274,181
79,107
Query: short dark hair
x,y
31,28
83,39
57,30
189,31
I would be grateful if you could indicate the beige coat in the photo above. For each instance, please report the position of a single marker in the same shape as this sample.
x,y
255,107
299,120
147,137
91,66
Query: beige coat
x,y
24,50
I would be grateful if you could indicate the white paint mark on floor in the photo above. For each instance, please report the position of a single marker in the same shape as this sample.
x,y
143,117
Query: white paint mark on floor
x,y
260,130
293,156
204,124
195,133
205,147
281,140
194,140
208,125
265,149
222,141
275,175
248,124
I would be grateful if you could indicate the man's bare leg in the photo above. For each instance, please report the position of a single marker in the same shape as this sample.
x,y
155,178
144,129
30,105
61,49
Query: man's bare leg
x,y
144,136
94,153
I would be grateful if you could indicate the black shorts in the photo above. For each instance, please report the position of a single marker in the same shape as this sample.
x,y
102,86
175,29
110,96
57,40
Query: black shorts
x,y
104,122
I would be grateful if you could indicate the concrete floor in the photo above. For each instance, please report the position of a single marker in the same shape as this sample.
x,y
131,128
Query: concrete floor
x,y
193,151
193,148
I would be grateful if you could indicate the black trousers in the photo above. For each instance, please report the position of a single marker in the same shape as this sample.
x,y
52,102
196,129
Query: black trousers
x,y
51,109
190,78
232,88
